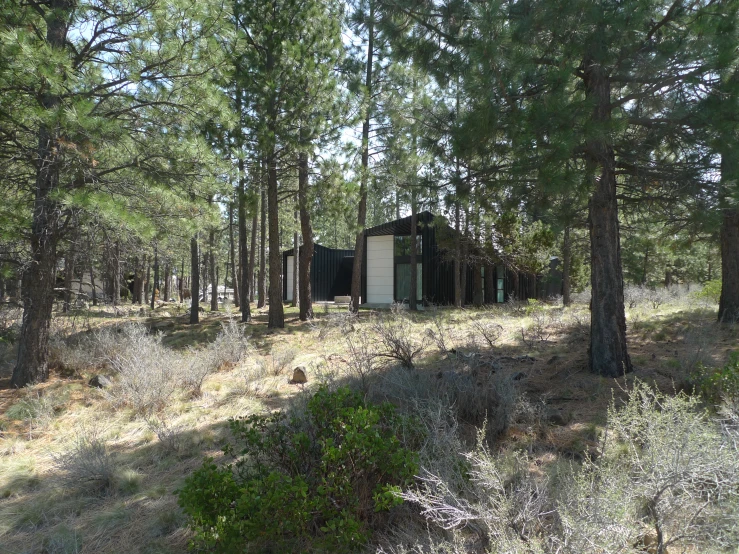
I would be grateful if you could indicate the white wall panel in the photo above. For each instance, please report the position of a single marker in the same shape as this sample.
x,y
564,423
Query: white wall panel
x,y
289,277
380,257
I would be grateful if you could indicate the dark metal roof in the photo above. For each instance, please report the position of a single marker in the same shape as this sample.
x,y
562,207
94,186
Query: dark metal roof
x,y
400,226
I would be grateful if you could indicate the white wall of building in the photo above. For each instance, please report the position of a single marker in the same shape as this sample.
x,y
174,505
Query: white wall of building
x,y
289,277
380,258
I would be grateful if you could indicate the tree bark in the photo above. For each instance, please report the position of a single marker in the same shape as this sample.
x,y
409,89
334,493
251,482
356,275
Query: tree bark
x,y
156,278
195,280
243,251
92,283
252,254
296,263
608,354
276,317
147,283
39,276
69,259
167,278
262,281
116,273
181,282
728,307
232,255
362,208
566,263
213,276
306,253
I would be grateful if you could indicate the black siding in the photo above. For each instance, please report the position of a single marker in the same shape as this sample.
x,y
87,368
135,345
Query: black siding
x,y
330,275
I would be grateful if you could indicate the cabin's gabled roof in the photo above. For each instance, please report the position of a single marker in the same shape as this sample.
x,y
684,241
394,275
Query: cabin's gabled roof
x,y
400,226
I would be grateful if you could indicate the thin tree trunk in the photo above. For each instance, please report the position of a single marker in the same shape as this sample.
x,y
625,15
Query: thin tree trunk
x,y
156,277
37,289
252,255
276,317
213,275
69,258
243,251
92,283
608,352
296,262
566,263
306,253
232,254
181,282
262,300
362,208
116,273
412,299
195,281
167,279
147,284
645,267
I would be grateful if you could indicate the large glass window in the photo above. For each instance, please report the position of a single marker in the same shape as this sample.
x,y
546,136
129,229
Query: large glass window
x,y
403,246
500,284
403,268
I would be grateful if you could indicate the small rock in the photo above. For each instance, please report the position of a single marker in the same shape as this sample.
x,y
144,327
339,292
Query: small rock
x,y
518,376
299,376
100,382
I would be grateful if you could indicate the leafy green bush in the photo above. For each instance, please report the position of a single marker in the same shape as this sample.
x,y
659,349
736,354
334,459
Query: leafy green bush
x,y
711,292
306,481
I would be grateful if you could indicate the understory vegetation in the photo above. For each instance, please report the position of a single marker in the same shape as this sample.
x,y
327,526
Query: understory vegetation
x,y
443,430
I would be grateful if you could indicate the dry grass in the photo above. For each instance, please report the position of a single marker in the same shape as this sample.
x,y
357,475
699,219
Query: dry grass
x,y
151,454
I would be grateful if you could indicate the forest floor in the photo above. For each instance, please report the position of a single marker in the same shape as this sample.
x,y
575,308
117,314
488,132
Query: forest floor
x,y
543,348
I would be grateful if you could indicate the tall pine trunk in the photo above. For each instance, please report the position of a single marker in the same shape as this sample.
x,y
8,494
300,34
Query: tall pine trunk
x,y
276,318
306,252
262,280
116,273
296,263
243,252
608,354
356,289
212,271
167,278
39,276
566,263
252,255
232,255
156,278
69,259
728,307
195,280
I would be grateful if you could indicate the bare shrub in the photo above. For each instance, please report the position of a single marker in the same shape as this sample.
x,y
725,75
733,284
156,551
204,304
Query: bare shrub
x,y
480,397
490,331
333,323
144,368
499,502
635,295
665,470
440,333
280,357
195,366
698,349
231,344
360,362
87,461
396,336
169,435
